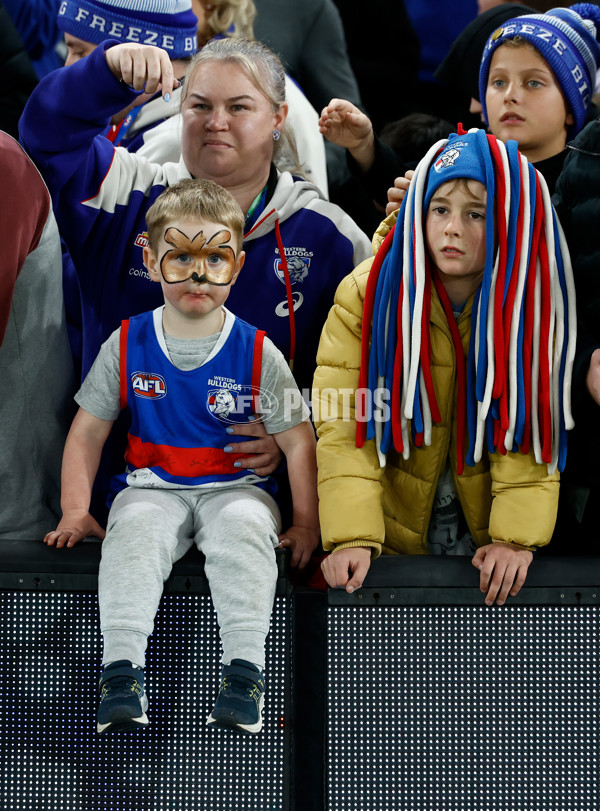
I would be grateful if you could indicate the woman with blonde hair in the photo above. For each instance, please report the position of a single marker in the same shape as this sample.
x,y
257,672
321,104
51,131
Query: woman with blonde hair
x,y
233,114
302,153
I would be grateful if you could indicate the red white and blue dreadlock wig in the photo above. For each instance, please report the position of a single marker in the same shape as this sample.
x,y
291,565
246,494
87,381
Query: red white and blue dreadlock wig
x,y
514,387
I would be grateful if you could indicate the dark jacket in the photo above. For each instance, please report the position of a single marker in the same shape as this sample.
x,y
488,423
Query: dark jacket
x,y
18,76
577,201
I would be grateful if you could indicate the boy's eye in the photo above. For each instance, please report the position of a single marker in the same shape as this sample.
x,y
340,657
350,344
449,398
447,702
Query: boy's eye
x,y
497,83
214,259
440,210
534,83
475,215
184,258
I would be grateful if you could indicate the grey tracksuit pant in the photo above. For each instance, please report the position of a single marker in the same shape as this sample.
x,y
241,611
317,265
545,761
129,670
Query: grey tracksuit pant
x,y
149,529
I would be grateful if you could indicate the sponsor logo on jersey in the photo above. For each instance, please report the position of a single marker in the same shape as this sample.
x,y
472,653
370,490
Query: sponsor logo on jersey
x,y
148,385
283,310
142,240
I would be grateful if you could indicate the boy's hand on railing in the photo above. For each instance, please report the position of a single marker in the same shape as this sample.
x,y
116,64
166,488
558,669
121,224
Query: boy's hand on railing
x,y
74,527
503,570
347,568
302,541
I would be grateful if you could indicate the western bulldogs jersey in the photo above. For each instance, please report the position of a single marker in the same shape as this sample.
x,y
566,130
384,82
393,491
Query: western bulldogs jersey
x,y
178,418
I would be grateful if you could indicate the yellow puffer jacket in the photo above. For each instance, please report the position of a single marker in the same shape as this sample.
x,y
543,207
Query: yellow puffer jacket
x,y
505,498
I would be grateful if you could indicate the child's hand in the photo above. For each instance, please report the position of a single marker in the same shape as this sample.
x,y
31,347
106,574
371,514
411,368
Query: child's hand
x,y
266,454
347,568
398,192
302,541
593,376
342,123
73,527
142,67
503,570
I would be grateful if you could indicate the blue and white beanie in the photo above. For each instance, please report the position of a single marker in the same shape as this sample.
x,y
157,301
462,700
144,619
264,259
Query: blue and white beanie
x,y
567,38
169,24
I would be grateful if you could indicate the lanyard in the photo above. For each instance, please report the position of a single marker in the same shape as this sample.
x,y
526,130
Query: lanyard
x,y
118,131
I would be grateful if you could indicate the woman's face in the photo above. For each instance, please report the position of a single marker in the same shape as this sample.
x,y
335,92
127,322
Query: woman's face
x,y
228,126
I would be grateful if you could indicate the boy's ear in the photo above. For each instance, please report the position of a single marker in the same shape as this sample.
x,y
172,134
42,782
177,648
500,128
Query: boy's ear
x,y
570,120
239,264
151,264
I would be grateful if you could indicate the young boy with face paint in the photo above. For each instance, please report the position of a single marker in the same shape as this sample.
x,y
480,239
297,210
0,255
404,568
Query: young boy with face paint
x,y
187,372
456,342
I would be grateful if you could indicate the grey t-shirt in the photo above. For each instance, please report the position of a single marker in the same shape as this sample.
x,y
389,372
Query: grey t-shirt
x,y
280,400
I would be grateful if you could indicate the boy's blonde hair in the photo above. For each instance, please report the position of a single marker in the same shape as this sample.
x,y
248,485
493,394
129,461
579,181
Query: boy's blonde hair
x,y
194,199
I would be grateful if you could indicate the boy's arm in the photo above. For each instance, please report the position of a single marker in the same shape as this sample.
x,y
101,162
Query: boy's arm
x,y
299,446
79,467
524,507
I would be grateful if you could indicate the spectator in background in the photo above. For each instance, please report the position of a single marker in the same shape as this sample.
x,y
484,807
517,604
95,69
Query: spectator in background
x,y
35,20
373,165
309,38
536,80
37,371
395,52
459,71
374,161
19,77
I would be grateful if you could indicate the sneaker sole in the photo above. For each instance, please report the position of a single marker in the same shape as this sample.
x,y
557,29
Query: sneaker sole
x,y
123,722
226,722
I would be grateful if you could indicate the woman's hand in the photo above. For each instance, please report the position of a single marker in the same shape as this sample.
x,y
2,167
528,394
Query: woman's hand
x,y
142,67
266,454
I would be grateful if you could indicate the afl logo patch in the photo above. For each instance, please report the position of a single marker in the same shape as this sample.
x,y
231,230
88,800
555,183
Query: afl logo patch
x,y
148,385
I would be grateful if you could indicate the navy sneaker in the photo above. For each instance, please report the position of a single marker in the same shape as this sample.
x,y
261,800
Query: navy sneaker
x,y
123,701
241,698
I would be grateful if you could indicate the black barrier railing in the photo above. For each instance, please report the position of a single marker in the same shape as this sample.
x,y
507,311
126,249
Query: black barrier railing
x,y
409,694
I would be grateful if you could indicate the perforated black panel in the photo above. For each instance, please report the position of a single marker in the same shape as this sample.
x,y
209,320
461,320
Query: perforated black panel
x,y
464,709
53,760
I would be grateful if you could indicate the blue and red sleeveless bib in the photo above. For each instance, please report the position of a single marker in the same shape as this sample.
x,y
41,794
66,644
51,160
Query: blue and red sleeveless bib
x,y
178,418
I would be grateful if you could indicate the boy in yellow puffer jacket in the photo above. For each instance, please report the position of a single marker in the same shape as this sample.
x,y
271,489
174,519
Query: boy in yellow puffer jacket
x,y
441,396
